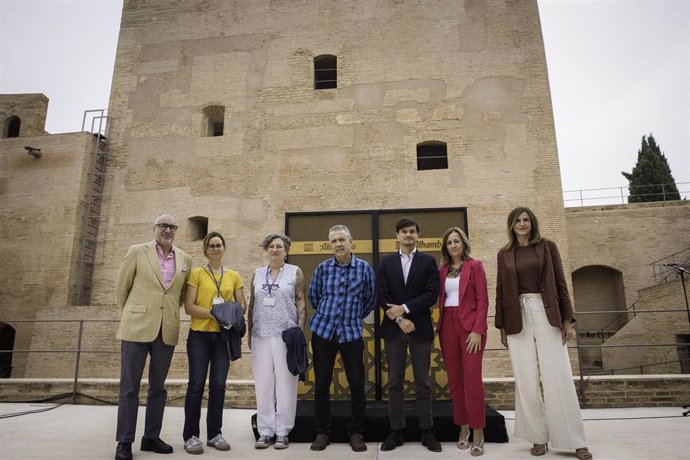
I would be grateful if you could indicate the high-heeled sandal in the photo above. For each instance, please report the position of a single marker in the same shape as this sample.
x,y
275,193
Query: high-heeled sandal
x,y
477,449
539,449
463,443
583,454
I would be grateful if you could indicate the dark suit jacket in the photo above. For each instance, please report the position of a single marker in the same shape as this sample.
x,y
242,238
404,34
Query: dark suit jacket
x,y
474,296
554,290
419,294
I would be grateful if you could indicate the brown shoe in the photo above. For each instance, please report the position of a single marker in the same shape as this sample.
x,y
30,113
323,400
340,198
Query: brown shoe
x,y
430,441
539,449
357,443
583,454
321,441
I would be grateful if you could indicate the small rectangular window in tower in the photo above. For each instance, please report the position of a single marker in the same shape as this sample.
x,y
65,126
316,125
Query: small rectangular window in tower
x,y
197,228
213,121
432,155
325,72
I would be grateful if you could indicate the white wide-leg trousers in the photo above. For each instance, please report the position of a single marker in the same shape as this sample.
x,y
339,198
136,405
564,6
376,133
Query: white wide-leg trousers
x,y
275,386
537,352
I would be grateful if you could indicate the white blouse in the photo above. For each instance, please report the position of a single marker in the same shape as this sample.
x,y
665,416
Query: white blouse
x,y
452,292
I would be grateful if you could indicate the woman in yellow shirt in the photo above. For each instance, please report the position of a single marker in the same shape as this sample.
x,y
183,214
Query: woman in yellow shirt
x,y
206,346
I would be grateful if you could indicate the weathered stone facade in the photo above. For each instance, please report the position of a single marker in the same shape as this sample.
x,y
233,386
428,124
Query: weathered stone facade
x,y
29,109
470,74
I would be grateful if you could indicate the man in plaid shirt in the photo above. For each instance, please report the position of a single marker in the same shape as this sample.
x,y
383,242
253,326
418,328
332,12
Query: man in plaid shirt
x,y
343,292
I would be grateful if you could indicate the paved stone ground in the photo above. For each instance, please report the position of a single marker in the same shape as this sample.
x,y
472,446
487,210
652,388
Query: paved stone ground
x,y
87,432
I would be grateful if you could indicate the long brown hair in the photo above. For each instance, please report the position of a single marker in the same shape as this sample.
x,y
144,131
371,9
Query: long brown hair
x,y
534,235
446,259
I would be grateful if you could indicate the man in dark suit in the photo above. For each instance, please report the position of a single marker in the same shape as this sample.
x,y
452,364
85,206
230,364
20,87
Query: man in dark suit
x,y
408,288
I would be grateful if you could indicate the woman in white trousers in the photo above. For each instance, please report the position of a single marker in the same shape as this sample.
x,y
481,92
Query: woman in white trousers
x,y
277,303
535,316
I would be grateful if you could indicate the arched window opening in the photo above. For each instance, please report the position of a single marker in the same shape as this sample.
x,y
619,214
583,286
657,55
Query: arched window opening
x,y
13,125
325,72
598,288
432,155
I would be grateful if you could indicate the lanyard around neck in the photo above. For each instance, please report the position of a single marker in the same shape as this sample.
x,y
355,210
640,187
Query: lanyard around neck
x,y
213,278
270,283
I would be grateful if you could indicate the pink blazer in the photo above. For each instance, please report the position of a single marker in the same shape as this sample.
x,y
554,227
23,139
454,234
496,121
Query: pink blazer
x,y
474,296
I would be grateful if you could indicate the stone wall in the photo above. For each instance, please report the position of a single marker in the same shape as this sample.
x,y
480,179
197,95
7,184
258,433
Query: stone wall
x,y
471,74
601,392
628,238
92,330
42,202
31,109
658,330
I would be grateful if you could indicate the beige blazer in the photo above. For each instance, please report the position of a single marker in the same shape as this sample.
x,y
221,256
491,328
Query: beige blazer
x,y
145,304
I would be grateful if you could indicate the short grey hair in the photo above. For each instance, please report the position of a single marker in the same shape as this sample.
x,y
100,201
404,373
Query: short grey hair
x,y
340,228
273,236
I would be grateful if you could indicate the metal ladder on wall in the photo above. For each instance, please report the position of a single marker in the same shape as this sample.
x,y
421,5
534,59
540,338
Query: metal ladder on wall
x,y
81,294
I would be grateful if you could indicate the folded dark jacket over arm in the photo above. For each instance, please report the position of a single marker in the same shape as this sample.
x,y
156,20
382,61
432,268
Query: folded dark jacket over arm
x,y
296,355
231,318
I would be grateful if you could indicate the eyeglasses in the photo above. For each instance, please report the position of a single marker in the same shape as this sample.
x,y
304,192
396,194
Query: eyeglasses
x,y
215,246
165,227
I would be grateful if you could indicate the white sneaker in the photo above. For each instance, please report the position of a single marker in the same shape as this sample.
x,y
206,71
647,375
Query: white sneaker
x,y
281,442
263,442
193,445
219,442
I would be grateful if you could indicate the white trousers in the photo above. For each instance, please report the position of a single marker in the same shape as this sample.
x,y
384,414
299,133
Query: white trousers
x,y
537,353
275,386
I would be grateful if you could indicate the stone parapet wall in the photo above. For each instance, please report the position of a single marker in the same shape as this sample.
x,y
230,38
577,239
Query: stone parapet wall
x,y
628,238
601,392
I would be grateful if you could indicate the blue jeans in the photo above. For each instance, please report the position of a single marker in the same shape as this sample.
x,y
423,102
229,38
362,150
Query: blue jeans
x,y
204,348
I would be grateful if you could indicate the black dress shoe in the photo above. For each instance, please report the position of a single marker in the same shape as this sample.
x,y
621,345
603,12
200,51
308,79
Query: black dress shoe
x,y
124,451
156,445
393,440
430,441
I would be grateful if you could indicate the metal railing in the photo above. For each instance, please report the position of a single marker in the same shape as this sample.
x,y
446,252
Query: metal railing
x,y
661,269
622,195
591,356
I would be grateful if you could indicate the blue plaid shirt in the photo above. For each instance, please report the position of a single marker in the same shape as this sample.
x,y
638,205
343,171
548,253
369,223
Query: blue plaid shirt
x,y
342,297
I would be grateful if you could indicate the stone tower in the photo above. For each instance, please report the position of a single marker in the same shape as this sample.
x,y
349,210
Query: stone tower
x,y
215,117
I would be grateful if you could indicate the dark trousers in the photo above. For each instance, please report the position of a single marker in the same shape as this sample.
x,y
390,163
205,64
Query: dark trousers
x,y
420,355
352,355
132,361
204,348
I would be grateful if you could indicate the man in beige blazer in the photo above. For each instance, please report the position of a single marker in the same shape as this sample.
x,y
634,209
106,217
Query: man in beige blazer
x,y
149,290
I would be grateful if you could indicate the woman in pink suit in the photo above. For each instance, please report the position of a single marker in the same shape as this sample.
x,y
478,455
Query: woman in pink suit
x,y
463,305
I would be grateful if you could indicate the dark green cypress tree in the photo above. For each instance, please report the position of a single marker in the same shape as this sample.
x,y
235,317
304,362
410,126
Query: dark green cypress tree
x,y
651,179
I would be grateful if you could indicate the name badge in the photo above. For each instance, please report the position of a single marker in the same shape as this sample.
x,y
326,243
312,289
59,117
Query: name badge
x,y
217,300
269,301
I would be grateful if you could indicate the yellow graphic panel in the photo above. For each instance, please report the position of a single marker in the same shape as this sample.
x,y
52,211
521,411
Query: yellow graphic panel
x,y
318,248
423,244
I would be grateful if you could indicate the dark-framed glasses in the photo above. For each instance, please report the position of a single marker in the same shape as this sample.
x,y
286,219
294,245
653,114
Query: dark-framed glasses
x,y
165,227
215,246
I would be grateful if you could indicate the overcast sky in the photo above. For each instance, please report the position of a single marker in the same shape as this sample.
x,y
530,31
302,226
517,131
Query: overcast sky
x,y
618,69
